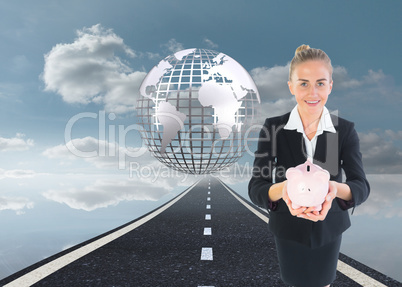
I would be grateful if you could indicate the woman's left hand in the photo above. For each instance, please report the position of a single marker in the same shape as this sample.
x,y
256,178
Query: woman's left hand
x,y
326,206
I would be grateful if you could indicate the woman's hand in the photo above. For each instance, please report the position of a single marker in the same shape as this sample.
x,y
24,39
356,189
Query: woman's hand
x,y
326,206
285,197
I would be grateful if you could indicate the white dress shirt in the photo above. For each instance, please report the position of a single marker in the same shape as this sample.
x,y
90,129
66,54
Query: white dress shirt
x,y
325,124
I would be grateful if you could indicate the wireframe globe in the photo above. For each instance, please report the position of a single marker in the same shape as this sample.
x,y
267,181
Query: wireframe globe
x,y
195,107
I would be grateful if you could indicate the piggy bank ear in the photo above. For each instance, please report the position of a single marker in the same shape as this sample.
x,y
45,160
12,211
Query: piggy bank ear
x,y
322,175
293,172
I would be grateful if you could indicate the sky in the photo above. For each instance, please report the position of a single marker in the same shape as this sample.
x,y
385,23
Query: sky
x,y
70,76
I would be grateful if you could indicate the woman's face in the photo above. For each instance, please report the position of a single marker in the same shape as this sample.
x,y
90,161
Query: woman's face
x,y
311,84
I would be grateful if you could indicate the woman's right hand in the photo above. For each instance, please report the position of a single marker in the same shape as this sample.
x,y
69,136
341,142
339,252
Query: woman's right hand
x,y
288,202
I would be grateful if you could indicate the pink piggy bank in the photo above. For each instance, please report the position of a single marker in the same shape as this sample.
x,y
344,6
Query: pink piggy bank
x,y
307,185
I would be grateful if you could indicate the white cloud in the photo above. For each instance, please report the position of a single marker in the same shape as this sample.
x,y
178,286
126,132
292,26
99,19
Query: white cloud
x,y
394,135
103,193
272,82
375,89
17,173
17,143
385,198
210,44
100,153
88,70
153,56
17,204
276,98
342,80
173,46
379,152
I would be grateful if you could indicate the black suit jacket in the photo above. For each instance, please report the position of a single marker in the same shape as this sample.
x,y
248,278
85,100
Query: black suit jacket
x,y
279,149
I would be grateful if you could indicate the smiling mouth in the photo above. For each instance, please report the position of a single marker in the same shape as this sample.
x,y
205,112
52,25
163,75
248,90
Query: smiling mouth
x,y
312,102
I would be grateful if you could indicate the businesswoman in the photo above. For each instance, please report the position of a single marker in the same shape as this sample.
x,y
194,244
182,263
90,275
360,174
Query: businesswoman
x,y
307,241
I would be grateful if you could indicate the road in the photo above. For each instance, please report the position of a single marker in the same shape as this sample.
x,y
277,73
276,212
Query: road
x,y
207,237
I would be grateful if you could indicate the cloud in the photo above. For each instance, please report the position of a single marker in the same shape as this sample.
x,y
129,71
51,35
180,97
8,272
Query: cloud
x,y
272,82
210,44
379,152
342,80
376,89
88,70
173,46
18,143
274,92
100,153
17,173
393,135
385,197
17,204
103,193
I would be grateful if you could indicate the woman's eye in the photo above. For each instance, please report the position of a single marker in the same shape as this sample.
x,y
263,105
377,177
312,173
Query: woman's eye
x,y
303,84
320,84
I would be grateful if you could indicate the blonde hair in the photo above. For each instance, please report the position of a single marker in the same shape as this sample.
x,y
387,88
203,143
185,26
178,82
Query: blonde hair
x,y
304,53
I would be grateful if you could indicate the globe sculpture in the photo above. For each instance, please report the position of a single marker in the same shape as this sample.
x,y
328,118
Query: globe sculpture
x,y
195,107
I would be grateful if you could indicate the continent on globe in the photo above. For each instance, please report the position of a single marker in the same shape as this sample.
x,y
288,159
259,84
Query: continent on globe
x,y
225,66
171,120
236,86
225,106
152,79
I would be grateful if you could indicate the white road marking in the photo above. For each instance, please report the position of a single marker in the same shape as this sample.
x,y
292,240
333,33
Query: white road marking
x,y
208,199
207,216
344,268
45,270
206,253
358,276
207,231
208,206
209,192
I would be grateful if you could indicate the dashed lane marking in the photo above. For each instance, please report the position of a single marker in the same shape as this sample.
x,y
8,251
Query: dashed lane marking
x,y
207,231
208,199
208,206
207,216
206,253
